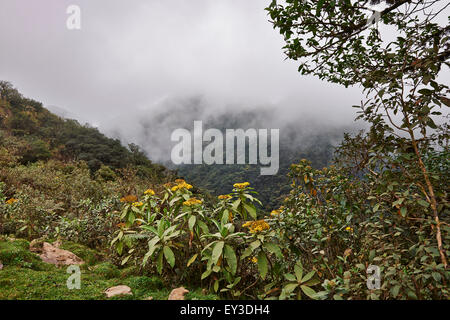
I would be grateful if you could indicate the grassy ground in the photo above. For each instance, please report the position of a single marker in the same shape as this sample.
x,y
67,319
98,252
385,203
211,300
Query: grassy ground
x,y
26,277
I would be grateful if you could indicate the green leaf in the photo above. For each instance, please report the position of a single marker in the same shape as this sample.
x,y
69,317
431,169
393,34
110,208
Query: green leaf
x,y
217,251
152,245
273,248
308,291
159,263
403,211
436,276
423,203
216,285
395,290
119,248
251,210
290,277
298,269
191,222
262,264
319,6
290,287
125,260
206,274
170,257
308,276
192,259
230,255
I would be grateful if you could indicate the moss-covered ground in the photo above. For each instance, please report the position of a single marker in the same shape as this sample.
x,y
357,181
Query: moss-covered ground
x,y
25,277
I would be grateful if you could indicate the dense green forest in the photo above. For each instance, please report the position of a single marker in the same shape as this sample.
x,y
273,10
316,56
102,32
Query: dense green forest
x,y
272,189
40,135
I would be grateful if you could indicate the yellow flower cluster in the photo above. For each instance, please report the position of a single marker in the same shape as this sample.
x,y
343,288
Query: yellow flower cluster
x,y
241,185
254,260
181,184
129,198
11,201
137,204
224,197
256,226
150,192
276,212
349,229
192,202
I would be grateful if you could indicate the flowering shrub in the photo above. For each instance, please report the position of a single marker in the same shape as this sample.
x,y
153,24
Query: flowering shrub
x,y
187,239
318,245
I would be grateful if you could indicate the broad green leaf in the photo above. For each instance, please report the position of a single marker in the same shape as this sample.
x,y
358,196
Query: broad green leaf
x,y
206,274
290,287
290,277
273,248
308,276
298,269
159,263
230,255
216,285
217,251
263,264
395,290
191,222
423,203
251,210
170,257
308,291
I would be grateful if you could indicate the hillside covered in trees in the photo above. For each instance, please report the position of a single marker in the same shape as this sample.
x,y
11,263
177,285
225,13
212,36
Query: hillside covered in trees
x,y
37,134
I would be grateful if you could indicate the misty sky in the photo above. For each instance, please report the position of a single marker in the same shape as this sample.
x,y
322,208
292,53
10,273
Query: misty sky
x,y
131,56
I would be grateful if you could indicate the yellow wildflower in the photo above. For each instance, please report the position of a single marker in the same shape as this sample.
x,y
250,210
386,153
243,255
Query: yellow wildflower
x,y
224,197
181,184
150,192
256,226
192,202
11,201
254,260
241,185
275,212
349,229
137,204
129,198
248,223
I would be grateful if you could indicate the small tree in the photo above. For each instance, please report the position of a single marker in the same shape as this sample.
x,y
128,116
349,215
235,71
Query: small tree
x,y
341,42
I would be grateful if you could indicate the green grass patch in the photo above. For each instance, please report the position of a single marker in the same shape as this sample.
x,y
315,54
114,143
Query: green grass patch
x,y
90,256
26,277
16,253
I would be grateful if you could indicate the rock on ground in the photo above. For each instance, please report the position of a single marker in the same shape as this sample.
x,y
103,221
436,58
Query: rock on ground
x,y
54,255
178,294
117,290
